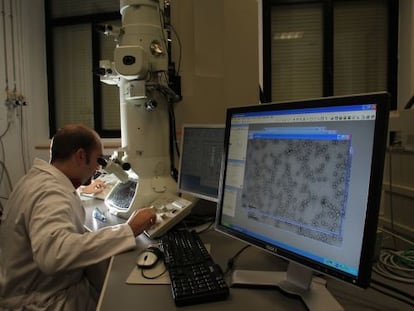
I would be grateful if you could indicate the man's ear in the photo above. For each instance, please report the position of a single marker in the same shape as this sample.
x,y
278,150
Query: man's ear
x,y
80,156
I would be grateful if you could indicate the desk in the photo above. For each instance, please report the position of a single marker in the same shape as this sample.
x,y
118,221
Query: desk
x,y
93,224
117,295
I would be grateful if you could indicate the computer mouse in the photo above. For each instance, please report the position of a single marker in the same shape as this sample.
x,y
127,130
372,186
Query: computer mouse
x,y
149,257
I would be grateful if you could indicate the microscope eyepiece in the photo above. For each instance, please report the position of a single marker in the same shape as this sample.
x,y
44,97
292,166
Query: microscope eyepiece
x,y
102,161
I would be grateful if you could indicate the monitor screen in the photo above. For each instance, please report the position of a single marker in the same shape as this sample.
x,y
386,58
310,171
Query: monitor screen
x,y
200,160
302,180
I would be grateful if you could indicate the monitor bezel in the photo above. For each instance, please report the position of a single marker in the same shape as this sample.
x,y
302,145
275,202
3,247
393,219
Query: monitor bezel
x,y
382,99
179,181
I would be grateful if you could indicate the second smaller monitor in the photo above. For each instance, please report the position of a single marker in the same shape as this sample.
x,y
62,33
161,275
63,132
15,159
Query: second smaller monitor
x,y
200,160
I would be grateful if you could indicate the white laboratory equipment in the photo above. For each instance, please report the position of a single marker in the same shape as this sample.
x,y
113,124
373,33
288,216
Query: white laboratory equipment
x,y
139,69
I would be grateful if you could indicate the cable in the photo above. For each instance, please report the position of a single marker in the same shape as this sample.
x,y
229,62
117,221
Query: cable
x,y
393,296
231,261
13,49
172,140
169,24
392,264
391,194
5,131
6,74
410,103
396,235
179,46
174,129
171,97
1,210
208,227
201,220
162,23
3,155
5,171
396,265
391,288
152,277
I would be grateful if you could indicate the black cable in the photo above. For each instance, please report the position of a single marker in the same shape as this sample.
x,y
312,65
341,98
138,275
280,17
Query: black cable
x,y
392,296
167,15
162,23
231,261
410,103
197,220
208,228
172,140
1,211
391,194
174,128
171,98
179,46
211,223
391,288
152,277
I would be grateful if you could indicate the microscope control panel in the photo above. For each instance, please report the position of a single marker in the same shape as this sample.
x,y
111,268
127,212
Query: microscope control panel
x,y
170,211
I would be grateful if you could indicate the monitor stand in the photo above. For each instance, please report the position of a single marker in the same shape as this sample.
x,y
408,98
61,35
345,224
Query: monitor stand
x,y
297,280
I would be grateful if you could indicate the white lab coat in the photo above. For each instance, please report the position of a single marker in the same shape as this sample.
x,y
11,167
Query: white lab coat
x,y
44,246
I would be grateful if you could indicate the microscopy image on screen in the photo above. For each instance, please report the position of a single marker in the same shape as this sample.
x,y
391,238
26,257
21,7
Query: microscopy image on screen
x,y
289,184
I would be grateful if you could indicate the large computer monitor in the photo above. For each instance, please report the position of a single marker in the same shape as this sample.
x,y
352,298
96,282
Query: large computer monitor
x,y
200,160
302,180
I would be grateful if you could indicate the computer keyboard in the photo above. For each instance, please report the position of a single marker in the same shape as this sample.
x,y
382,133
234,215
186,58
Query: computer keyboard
x,y
195,277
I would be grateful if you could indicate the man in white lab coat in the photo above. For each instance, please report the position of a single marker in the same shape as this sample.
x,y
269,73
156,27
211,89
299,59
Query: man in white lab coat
x,y
44,247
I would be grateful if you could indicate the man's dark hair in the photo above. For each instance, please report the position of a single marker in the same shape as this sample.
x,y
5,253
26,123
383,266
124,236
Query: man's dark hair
x,y
71,138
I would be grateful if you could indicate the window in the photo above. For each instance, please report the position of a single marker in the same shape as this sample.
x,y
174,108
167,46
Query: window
x,y
324,48
74,49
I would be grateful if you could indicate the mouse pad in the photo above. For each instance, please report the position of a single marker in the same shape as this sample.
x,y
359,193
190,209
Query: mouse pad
x,y
136,277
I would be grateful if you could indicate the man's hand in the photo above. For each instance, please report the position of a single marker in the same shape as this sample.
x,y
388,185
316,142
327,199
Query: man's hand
x,y
141,220
95,186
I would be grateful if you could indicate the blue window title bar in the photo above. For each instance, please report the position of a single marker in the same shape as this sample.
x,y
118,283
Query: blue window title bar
x,y
345,108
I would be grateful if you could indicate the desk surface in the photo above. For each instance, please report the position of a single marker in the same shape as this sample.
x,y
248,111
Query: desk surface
x,y
118,295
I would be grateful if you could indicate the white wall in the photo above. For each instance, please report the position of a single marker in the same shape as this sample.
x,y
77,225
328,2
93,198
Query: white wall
x,y
219,57
31,127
